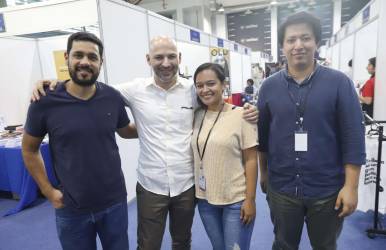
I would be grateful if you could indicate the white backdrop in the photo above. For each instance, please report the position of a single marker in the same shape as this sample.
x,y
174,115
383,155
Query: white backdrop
x,y
192,56
236,72
335,56
247,70
19,69
365,48
160,26
346,53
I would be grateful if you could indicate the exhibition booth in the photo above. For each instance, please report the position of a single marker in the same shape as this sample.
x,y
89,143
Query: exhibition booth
x,y
34,39
359,40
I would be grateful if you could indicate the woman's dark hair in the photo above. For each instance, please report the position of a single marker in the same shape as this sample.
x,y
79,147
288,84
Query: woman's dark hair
x,y
373,61
299,18
86,37
350,63
216,68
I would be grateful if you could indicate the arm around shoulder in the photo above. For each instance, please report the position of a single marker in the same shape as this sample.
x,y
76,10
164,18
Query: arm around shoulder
x,y
128,132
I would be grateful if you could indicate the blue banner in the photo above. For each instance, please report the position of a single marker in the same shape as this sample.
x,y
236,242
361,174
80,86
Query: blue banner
x,y
194,36
220,43
366,14
2,24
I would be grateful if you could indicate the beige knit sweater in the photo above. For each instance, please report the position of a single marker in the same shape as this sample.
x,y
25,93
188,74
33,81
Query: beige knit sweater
x,y
223,165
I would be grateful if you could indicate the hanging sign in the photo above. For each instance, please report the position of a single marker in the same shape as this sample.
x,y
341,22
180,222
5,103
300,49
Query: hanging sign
x,y
194,36
366,14
2,24
220,43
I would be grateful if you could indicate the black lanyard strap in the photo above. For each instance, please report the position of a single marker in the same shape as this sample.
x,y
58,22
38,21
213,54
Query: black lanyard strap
x,y
301,105
210,131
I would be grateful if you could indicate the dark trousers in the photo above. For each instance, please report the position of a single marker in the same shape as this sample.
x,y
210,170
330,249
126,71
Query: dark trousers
x,y
152,213
288,215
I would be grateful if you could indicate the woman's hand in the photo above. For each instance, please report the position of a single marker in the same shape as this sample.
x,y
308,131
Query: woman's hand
x,y
248,211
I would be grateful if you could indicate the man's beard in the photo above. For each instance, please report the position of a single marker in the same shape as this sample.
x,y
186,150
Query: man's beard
x,y
167,78
83,82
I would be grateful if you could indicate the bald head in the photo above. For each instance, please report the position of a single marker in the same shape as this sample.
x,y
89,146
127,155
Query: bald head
x,y
162,42
164,59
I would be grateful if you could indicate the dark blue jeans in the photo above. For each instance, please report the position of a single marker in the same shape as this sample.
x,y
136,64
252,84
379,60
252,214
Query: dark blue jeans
x,y
288,215
224,227
78,230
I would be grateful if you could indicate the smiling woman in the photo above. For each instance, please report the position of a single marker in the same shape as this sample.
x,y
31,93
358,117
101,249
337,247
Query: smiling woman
x,y
224,148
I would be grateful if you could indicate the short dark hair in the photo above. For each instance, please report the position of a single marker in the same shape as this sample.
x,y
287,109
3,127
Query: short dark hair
x,y
87,37
350,63
299,18
373,61
250,80
216,68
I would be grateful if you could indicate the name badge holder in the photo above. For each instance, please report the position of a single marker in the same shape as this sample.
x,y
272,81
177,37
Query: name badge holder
x,y
301,138
201,179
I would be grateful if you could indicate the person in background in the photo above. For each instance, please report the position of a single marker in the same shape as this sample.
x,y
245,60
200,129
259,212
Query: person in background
x,y
225,163
81,117
349,72
311,141
366,93
249,89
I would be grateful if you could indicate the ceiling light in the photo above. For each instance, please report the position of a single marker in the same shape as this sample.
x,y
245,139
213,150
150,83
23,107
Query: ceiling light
x,y
248,12
221,8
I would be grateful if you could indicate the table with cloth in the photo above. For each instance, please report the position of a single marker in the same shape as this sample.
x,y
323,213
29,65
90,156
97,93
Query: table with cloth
x,y
15,178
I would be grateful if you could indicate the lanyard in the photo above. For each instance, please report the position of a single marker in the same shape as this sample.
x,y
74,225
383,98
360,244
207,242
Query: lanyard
x,y
301,105
210,131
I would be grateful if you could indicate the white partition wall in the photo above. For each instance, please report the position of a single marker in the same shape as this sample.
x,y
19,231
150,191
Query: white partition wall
x,y
335,56
236,72
46,47
19,69
365,48
380,81
192,56
159,25
247,70
361,39
346,53
125,48
43,16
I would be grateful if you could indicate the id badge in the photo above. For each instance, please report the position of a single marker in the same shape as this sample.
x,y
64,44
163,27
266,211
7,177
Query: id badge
x,y
202,181
301,141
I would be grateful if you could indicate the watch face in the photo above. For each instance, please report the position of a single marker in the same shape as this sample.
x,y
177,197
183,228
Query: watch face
x,y
133,1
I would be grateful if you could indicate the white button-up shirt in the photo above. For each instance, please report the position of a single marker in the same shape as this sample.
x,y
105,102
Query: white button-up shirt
x,y
164,120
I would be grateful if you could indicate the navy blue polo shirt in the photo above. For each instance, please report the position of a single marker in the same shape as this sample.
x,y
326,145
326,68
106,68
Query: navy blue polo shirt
x,y
82,142
334,124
